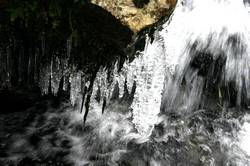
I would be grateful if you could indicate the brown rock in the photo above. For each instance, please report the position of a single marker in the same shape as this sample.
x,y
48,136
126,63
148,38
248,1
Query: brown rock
x,y
137,18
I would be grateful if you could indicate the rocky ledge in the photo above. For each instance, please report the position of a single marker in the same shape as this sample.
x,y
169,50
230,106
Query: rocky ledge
x,y
137,14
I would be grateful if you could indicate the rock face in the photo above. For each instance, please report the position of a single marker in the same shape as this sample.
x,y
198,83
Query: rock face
x,y
137,13
39,46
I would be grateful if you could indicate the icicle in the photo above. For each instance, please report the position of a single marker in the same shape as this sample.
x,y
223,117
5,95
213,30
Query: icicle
x,y
44,79
83,97
65,65
43,45
118,79
3,76
149,73
89,95
66,82
60,88
68,48
129,77
35,66
45,70
100,85
75,88
8,66
56,74
30,69
104,104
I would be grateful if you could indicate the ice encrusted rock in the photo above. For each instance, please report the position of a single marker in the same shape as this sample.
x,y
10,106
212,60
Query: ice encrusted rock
x,y
148,71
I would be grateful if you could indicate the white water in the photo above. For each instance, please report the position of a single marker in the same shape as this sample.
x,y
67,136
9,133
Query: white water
x,y
219,28
245,135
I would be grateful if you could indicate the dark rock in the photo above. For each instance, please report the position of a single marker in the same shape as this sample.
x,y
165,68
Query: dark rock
x,y
202,61
16,101
34,139
140,3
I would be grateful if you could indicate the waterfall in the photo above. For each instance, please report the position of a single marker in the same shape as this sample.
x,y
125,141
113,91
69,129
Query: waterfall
x,y
182,100
210,44
196,59
195,65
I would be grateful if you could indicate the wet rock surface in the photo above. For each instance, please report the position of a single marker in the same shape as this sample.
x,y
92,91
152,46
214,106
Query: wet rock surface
x,y
23,133
15,101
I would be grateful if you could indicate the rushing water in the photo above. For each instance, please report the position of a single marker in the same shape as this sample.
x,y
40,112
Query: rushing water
x,y
182,101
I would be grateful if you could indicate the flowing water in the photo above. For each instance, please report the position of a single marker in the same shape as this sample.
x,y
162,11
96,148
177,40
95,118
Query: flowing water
x,y
182,101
